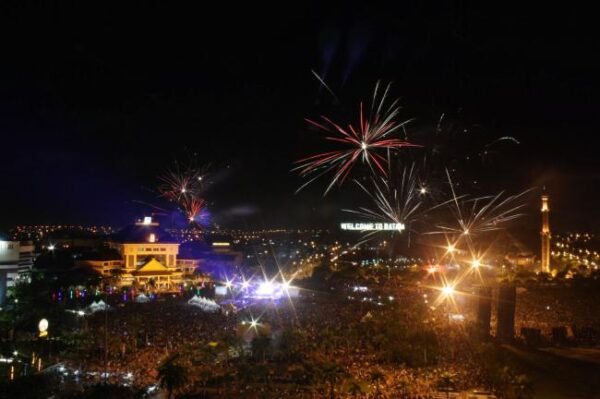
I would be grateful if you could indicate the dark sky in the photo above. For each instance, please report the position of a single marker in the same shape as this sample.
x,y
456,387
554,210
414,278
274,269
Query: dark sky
x,y
96,101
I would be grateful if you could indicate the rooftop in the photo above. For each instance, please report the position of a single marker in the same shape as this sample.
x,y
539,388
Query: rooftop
x,y
143,232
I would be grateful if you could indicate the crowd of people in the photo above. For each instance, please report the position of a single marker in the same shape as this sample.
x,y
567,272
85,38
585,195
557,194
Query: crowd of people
x,y
387,346
547,307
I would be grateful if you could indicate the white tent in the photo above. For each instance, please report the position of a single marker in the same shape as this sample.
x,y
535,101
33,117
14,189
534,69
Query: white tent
x,y
142,298
207,305
97,306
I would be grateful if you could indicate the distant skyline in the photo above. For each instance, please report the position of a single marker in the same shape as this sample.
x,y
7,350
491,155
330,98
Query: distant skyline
x,y
94,104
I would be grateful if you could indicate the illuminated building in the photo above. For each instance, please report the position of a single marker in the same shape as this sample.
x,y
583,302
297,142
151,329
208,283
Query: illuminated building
x,y
16,261
545,234
147,257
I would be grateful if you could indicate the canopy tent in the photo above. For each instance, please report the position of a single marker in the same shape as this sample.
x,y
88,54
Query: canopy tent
x,y
207,305
97,306
142,298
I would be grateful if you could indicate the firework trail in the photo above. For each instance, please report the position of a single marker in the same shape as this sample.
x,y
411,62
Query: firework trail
x,y
399,199
363,143
325,86
192,207
471,216
400,203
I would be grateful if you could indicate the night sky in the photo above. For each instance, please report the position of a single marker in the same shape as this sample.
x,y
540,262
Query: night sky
x,y
96,102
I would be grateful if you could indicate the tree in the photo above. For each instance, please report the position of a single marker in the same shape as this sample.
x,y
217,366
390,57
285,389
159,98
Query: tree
x,y
446,383
355,387
330,372
521,387
172,376
261,347
205,375
244,373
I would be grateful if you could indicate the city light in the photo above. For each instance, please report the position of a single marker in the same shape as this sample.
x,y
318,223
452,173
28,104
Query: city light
x,y
423,190
51,247
372,226
448,290
265,288
450,248
43,327
475,263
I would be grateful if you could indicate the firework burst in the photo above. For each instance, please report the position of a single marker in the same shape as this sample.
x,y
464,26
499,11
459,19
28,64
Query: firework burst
x,y
184,187
401,199
471,216
362,143
192,207
177,184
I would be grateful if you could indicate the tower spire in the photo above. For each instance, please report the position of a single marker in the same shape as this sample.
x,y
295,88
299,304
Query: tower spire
x,y
545,234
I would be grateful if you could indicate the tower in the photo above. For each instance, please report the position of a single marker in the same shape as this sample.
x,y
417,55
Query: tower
x,y
545,233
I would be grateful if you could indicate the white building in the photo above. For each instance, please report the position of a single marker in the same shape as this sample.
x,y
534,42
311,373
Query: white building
x,y
16,261
9,264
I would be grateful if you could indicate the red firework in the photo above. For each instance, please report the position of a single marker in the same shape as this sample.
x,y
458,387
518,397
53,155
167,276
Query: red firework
x,y
364,142
184,186
192,207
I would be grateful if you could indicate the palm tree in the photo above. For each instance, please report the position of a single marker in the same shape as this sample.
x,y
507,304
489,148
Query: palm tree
x,y
228,341
261,347
172,376
331,373
355,387
446,383
522,387
244,373
206,374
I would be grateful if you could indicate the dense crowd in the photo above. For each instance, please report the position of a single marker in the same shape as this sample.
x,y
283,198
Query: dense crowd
x,y
554,306
352,342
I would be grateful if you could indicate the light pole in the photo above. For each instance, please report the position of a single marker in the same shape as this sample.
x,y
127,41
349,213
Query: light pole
x,y
105,335
43,333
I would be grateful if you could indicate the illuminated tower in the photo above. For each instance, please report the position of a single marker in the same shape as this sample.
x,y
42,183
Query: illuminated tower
x,y
545,233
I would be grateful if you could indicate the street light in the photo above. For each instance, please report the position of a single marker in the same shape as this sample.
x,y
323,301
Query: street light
x,y
475,263
448,290
43,328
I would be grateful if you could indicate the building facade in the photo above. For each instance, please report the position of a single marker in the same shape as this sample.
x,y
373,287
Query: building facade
x,y
147,259
16,261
